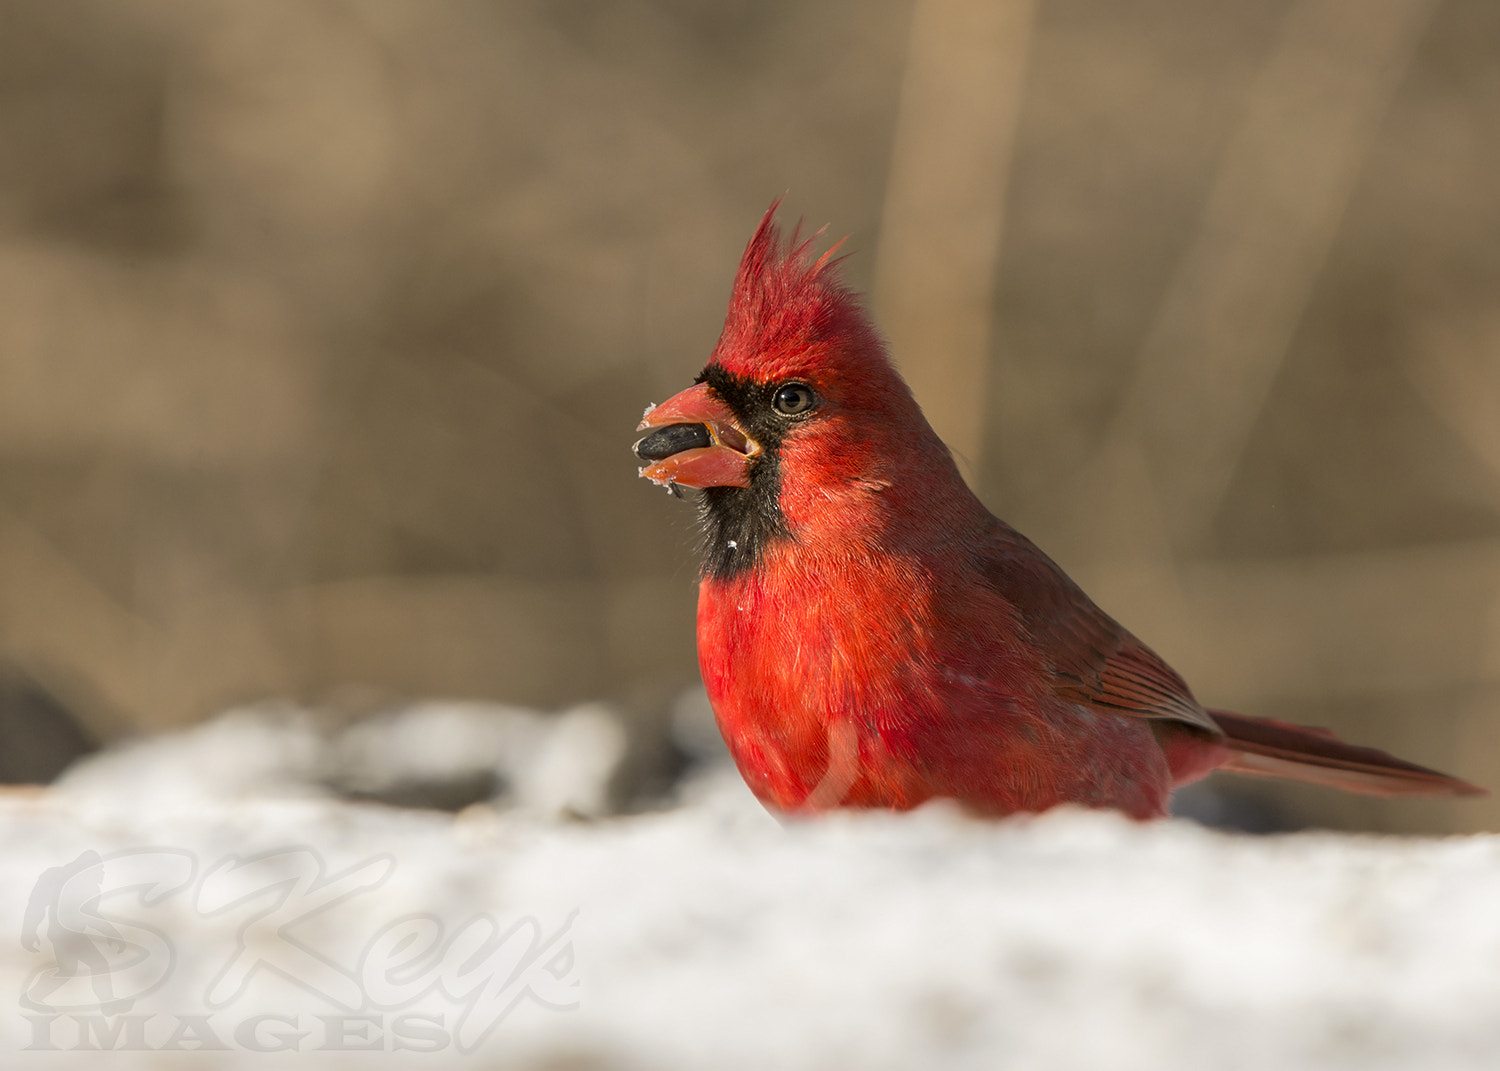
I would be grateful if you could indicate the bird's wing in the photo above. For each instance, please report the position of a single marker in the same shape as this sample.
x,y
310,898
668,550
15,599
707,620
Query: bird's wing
x,y
1094,660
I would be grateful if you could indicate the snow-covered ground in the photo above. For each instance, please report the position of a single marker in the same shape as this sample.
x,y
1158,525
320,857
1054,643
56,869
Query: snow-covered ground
x,y
210,892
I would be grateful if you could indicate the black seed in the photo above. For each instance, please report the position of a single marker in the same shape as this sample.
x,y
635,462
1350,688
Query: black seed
x,y
672,439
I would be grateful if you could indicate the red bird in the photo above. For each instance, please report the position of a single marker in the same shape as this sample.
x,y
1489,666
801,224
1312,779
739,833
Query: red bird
x,y
871,636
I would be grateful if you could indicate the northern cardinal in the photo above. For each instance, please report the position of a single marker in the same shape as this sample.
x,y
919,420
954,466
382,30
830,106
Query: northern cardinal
x,y
871,636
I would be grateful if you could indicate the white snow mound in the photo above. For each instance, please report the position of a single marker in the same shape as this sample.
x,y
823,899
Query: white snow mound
x,y
245,928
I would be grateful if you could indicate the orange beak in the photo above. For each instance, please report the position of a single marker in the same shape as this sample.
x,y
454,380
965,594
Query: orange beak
x,y
695,440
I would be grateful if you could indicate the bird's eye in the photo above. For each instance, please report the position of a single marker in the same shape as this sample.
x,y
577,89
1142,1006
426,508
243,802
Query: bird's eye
x,y
794,399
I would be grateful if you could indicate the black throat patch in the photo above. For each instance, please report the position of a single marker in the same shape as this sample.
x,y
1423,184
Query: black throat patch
x,y
739,523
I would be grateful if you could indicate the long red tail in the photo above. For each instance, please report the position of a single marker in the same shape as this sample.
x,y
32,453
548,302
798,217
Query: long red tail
x,y
1280,749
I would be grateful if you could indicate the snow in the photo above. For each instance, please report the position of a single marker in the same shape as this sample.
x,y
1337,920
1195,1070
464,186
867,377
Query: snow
x,y
707,934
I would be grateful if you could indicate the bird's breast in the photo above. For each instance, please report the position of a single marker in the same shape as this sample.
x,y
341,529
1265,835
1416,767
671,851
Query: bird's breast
x,y
880,682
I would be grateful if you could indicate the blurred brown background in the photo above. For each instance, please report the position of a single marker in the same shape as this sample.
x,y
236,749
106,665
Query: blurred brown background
x,y
324,327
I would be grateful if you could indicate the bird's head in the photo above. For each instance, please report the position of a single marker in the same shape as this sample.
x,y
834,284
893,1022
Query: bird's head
x,y
798,414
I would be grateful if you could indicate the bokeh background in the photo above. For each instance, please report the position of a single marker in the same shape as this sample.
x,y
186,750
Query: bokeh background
x,y
324,327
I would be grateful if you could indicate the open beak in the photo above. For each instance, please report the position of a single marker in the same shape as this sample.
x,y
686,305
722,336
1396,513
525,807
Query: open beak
x,y
695,440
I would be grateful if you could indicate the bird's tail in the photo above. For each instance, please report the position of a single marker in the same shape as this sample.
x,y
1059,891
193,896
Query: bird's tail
x,y
1272,748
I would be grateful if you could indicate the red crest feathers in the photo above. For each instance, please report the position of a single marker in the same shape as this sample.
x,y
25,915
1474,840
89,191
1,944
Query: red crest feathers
x,y
790,314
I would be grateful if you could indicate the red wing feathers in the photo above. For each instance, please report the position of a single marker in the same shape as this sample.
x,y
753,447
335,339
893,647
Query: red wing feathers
x,y
1094,660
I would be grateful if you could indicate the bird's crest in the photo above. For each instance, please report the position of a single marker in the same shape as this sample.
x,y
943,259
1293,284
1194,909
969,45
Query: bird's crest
x,y
790,313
